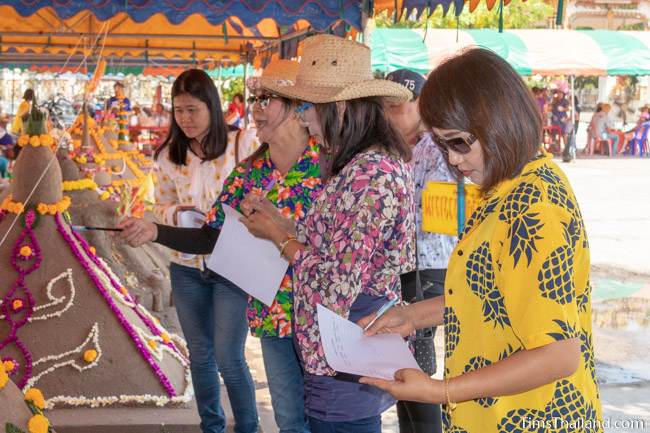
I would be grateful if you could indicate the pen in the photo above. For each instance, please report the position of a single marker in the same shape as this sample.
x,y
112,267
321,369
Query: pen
x,y
267,190
269,187
90,228
387,306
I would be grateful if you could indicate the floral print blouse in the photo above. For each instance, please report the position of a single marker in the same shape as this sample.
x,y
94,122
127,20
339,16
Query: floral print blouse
x,y
518,280
359,237
197,183
293,195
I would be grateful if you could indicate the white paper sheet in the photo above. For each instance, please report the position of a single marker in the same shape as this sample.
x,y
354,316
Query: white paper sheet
x,y
347,350
191,219
251,263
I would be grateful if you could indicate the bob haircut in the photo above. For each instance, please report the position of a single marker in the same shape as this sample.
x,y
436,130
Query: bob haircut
x,y
480,93
196,83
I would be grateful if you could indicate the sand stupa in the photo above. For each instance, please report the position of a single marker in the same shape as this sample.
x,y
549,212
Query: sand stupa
x,y
100,176
67,321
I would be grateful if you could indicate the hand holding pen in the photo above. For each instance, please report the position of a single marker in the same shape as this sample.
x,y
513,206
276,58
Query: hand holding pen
x,y
392,320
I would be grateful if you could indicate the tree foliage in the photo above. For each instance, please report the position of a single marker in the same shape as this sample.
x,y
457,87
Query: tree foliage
x,y
517,15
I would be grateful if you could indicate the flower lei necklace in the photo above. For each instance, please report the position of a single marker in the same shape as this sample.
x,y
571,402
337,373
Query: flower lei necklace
x,y
44,140
17,207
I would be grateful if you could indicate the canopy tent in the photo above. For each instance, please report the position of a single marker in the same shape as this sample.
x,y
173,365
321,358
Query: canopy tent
x,y
114,71
178,32
544,52
146,32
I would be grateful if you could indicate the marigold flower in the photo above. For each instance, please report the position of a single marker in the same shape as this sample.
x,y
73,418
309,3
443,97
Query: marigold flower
x,y
38,424
90,355
35,396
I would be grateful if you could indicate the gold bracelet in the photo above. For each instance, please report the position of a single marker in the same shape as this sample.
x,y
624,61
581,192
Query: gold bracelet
x,y
284,243
450,404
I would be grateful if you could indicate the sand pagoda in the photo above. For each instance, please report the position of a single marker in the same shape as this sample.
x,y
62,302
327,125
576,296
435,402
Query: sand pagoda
x,y
107,177
67,322
20,413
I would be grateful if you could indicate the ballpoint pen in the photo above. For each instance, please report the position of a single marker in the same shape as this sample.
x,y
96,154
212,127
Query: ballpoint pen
x,y
387,306
90,228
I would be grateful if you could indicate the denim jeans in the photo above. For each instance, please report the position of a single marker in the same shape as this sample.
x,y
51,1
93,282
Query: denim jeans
x,y
285,377
212,314
365,425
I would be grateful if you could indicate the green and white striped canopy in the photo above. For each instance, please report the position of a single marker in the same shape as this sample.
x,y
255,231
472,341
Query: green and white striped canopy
x,y
544,52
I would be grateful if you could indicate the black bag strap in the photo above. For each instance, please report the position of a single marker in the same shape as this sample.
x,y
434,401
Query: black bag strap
x,y
419,293
237,146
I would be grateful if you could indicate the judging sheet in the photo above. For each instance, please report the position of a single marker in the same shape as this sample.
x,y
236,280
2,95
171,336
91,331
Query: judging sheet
x,y
347,350
251,263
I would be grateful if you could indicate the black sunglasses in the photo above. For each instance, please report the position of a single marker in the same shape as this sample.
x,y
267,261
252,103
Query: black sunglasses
x,y
263,100
461,144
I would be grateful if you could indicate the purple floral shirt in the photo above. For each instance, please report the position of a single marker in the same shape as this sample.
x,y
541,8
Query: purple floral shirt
x,y
359,237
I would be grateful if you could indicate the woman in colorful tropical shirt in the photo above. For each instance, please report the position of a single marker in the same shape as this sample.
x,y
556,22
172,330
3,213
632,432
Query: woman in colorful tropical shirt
x,y
191,166
286,170
516,309
349,251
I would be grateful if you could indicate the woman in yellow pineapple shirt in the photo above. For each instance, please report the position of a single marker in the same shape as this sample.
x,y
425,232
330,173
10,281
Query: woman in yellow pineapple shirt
x,y
23,108
517,311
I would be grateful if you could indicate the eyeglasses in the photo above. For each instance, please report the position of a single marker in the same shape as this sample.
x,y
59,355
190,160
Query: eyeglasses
x,y
263,100
462,143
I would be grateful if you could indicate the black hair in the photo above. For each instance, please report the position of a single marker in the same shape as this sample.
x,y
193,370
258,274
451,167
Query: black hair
x,y
198,84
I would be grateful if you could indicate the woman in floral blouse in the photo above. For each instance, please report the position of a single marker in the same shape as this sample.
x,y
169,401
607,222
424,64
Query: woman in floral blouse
x,y
358,237
517,305
191,166
285,170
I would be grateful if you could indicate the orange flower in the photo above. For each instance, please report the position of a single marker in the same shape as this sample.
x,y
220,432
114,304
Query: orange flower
x,y
90,355
34,141
35,396
311,182
26,251
38,424
9,366
17,304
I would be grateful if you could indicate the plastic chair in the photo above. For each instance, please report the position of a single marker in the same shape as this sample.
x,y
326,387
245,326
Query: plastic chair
x,y
640,139
596,145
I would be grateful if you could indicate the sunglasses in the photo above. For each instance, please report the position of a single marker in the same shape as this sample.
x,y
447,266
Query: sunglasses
x,y
262,100
461,144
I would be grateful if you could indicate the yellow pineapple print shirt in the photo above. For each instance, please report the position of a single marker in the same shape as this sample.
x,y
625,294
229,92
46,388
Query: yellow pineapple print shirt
x,y
517,280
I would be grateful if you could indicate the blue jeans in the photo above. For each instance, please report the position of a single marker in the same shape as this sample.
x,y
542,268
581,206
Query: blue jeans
x,y
365,425
285,377
212,314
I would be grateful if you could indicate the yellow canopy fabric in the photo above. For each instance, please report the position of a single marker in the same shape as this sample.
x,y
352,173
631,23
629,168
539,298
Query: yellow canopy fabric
x,y
48,35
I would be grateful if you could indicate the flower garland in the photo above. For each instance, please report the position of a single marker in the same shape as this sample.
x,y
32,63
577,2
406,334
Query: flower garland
x,y
78,185
17,305
38,423
87,265
43,208
44,140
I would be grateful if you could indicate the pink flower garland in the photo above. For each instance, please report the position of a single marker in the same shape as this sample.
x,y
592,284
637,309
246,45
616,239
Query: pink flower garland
x,y
147,321
107,296
24,266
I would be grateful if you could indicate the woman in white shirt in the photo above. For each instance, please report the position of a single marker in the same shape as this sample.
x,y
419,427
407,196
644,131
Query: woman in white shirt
x,y
191,165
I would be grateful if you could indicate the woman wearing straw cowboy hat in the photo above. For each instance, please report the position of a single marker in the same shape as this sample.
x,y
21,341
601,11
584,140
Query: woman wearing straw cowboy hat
x,y
350,249
285,169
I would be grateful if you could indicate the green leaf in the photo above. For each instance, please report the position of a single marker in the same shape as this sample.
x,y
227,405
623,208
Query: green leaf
x,y
293,178
12,428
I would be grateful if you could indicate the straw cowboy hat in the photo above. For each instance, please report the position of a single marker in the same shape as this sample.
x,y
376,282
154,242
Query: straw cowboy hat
x,y
280,72
336,69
